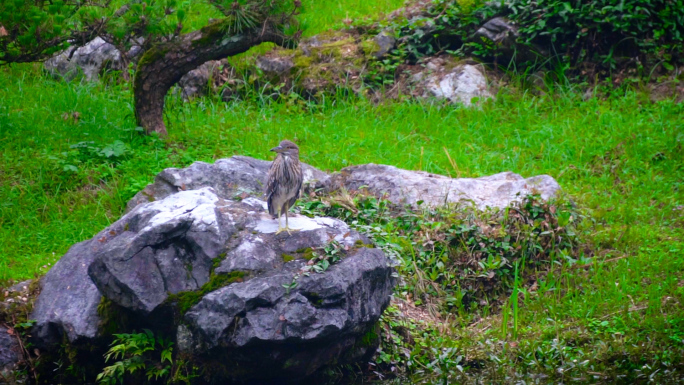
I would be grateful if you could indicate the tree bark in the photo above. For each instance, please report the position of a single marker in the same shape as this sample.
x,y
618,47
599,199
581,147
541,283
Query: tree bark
x,y
163,65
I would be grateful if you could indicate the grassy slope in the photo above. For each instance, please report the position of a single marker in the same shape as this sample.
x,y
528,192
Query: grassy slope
x,y
621,159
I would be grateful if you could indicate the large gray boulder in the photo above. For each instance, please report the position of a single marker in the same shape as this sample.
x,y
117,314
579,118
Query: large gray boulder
x,y
228,177
164,253
243,176
410,187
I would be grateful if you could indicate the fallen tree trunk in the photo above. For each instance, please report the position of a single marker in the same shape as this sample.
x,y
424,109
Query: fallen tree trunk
x,y
163,65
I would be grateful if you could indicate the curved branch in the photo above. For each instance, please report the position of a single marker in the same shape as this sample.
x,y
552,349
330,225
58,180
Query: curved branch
x,y
164,64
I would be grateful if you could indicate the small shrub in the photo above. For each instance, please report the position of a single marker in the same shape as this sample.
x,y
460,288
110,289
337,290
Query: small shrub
x,y
455,256
133,354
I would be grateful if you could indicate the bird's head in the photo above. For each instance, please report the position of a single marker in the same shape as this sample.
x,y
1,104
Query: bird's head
x,y
287,148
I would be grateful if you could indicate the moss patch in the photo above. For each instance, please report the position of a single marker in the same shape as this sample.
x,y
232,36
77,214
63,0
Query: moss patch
x,y
113,319
187,299
359,244
212,32
307,253
287,258
371,338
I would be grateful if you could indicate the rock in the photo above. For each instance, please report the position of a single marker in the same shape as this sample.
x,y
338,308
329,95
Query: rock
x,y
90,59
385,42
410,187
197,82
498,30
215,271
163,248
275,64
228,177
168,246
504,34
260,327
20,288
459,85
68,300
10,354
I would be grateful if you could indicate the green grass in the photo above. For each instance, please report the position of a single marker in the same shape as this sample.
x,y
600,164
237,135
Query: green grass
x,y
318,16
621,159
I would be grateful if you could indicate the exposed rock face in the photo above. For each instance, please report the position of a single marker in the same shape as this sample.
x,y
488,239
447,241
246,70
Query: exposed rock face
x,y
324,317
10,354
409,187
160,251
498,30
228,177
68,301
459,84
91,60
162,248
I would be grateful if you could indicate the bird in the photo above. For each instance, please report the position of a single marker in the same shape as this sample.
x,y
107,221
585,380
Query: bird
x,y
284,182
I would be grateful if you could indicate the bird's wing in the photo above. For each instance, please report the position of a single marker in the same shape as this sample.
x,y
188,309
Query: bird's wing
x,y
292,200
272,189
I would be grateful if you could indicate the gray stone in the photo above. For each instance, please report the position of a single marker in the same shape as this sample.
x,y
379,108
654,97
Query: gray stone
x,y
169,246
504,34
228,177
20,288
253,322
67,304
458,85
274,65
197,82
165,247
409,187
259,325
498,30
385,42
90,59
10,354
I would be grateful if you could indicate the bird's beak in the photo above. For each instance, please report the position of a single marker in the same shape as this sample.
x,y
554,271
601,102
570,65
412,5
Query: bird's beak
x,y
277,149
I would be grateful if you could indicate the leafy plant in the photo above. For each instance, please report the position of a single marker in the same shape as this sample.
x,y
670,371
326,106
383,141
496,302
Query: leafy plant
x,y
135,353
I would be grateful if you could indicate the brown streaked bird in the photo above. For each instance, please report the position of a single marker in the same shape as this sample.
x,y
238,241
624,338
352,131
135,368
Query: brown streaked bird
x,y
284,182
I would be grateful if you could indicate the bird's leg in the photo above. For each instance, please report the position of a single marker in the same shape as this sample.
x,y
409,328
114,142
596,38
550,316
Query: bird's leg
x,y
280,229
287,227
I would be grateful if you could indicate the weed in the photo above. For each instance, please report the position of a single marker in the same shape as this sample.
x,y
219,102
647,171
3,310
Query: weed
x,y
131,354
